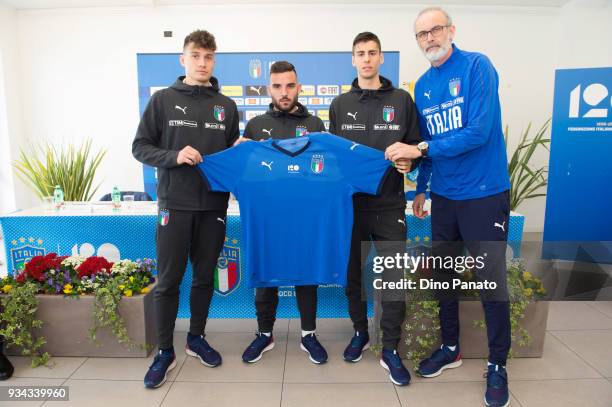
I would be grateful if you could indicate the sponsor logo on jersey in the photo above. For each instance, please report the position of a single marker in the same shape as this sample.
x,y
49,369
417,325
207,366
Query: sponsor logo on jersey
x,y
214,126
219,112
348,126
255,68
388,113
454,86
317,163
293,168
394,127
182,123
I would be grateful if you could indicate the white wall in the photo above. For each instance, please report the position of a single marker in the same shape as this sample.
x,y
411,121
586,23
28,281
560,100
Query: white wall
x,y
9,118
78,66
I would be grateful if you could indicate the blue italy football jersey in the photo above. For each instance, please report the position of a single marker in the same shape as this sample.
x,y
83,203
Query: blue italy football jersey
x,y
296,206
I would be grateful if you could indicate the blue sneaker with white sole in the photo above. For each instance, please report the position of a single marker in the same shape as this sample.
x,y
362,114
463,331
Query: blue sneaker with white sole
x,y
497,394
198,347
359,342
157,374
441,359
316,352
398,373
261,344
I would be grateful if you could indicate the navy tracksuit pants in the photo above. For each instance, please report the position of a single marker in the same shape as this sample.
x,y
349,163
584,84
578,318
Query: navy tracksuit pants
x,y
480,225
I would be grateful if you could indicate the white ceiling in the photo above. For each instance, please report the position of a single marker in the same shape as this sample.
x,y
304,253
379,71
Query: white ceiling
x,y
50,4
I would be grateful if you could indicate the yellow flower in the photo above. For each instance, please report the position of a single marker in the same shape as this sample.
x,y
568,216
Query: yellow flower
x,y
527,276
131,279
128,293
68,289
528,292
7,288
541,290
144,290
121,287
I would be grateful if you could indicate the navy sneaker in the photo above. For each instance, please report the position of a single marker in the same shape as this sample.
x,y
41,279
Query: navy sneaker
x,y
256,349
497,387
164,362
316,352
441,359
198,347
398,373
359,342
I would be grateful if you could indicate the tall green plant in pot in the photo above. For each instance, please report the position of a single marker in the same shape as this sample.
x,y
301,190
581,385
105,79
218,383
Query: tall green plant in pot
x,y
73,169
527,181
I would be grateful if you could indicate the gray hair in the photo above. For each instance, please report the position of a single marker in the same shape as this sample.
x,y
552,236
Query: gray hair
x,y
449,20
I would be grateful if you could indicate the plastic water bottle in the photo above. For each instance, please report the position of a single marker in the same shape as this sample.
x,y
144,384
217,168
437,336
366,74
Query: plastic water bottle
x,y
116,196
58,197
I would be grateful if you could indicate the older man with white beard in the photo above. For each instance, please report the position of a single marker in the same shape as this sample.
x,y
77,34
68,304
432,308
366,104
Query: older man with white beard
x,y
464,155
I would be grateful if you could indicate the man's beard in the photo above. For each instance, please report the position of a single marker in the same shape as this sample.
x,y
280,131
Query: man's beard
x,y
434,56
277,105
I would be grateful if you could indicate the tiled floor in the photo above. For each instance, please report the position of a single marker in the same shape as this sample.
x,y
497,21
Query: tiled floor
x,y
576,370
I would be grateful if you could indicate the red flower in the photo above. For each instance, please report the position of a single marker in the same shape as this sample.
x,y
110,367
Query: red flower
x,y
21,277
39,265
93,265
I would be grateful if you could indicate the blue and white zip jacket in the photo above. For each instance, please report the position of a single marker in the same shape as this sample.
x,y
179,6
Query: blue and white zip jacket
x,y
460,117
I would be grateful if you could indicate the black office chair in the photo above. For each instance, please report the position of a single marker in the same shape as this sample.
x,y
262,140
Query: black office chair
x,y
138,196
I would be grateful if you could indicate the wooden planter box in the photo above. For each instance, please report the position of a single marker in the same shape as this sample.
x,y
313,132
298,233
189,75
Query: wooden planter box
x,y
66,324
473,340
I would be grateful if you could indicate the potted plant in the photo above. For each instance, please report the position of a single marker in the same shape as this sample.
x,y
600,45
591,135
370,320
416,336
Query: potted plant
x,y
73,169
77,306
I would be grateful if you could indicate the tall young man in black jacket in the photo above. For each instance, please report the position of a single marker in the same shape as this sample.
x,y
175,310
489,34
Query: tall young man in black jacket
x,y
286,118
376,114
180,125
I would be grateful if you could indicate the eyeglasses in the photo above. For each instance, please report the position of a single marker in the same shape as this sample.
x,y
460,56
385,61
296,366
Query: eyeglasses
x,y
435,32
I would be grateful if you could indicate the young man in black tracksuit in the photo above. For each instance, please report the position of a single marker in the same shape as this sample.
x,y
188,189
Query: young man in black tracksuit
x,y
180,125
376,114
285,119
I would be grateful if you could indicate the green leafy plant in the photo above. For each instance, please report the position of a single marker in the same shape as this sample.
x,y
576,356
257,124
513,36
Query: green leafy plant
x,y
106,312
71,277
526,181
523,288
73,169
18,316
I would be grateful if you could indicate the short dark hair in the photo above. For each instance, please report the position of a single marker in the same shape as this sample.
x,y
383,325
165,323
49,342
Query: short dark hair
x,y
201,39
365,37
281,67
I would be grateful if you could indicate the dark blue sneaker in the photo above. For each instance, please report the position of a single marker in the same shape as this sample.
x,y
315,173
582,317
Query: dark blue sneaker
x,y
199,348
316,352
441,359
398,373
359,342
164,362
497,387
256,349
